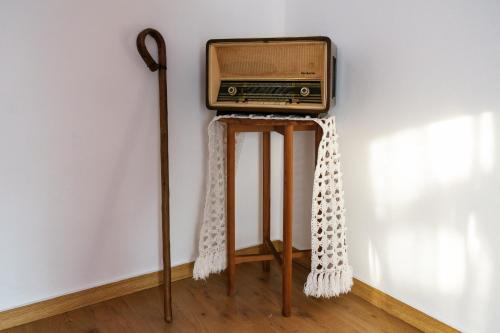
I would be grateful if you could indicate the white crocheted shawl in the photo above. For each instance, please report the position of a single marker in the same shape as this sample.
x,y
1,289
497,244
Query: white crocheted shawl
x,y
330,273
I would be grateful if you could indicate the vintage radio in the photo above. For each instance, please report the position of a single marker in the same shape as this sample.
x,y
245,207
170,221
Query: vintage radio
x,y
271,75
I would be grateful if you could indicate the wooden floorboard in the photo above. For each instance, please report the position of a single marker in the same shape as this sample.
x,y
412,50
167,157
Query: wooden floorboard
x,y
202,306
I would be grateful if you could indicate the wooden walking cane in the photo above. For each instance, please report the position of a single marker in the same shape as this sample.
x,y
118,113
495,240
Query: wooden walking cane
x,y
161,66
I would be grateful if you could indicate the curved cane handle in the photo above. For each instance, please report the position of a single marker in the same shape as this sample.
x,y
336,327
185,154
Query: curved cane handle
x,y
146,56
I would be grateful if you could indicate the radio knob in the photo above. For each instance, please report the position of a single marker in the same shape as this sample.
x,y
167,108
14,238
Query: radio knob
x,y
304,91
232,91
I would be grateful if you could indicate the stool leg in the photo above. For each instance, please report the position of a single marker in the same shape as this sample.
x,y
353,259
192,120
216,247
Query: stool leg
x,y
287,221
230,210
318,134
266,193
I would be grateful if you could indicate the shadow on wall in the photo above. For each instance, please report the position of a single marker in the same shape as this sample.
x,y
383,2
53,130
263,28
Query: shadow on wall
x,y
429,185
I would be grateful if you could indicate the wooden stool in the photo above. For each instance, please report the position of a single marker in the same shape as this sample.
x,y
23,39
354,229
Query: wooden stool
x,y
268,251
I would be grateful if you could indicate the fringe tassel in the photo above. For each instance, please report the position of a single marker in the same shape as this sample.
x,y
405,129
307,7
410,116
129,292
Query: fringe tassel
x,y
328,284
214,262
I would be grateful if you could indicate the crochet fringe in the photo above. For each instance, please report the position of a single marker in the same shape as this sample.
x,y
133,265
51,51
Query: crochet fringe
x,y
328,284
213,262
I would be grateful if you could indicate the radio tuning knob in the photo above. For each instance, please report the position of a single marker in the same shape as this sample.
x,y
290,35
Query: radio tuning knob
x,y
304,91
232,91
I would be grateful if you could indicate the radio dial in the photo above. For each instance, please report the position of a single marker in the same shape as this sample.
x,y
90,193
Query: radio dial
x,y
304,91
232,91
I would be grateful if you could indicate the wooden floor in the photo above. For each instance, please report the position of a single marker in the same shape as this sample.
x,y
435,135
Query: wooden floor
x,y
204,307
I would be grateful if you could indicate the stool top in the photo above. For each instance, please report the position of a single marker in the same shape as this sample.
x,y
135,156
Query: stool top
x,y
270,124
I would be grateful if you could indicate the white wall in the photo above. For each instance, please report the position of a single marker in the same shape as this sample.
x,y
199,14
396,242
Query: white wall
x,y
417,111
418,114
79,170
